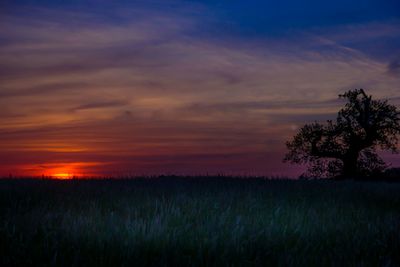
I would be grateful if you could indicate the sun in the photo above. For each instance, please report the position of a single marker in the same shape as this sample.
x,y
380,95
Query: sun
x,y
66,171
62,176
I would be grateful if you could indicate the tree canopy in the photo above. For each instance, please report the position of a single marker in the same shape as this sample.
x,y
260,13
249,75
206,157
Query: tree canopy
x,y
347,147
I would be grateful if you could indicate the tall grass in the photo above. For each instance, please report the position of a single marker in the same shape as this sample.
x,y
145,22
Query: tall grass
x,y
199,221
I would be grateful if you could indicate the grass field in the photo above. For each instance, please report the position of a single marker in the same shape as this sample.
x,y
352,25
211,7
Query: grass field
x,y
197,222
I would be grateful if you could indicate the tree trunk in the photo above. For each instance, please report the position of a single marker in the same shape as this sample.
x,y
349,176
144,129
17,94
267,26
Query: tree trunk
x,y
350,170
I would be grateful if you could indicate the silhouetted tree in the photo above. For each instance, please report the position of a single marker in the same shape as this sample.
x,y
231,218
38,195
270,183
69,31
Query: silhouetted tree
x,y
346,148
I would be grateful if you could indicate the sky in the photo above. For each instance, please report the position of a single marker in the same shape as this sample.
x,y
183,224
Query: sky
x,y
115,88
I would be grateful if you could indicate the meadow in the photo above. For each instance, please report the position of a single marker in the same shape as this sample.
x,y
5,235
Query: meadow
x,y
204,221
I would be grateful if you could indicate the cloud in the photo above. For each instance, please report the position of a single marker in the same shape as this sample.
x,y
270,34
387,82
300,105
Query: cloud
x,y
150,89
278,106
97,105
41,89
393,67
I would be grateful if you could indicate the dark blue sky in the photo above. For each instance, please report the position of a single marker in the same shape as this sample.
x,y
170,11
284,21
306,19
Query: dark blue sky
x,y
247,19
254,17
248,15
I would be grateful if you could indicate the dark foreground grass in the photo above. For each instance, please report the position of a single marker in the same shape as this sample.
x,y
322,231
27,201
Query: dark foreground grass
x,y
198,222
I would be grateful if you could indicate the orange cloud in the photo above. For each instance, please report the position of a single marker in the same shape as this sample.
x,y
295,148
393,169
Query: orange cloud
x,y
146,97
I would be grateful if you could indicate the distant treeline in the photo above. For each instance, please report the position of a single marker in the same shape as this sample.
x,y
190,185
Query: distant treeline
x,y
389,175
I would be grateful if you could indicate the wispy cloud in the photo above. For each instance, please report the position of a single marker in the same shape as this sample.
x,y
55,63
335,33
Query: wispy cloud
x,y
100,105
148,91
393,67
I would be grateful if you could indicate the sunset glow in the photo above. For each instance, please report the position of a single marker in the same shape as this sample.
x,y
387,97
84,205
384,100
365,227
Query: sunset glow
x,y
65,172
184,87
62,176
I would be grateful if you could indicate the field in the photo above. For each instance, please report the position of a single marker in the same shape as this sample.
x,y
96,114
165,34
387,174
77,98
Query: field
x,y
199,221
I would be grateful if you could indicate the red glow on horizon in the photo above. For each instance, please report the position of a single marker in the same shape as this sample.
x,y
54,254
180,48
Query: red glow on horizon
x,y
60,171
63,172
62,176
